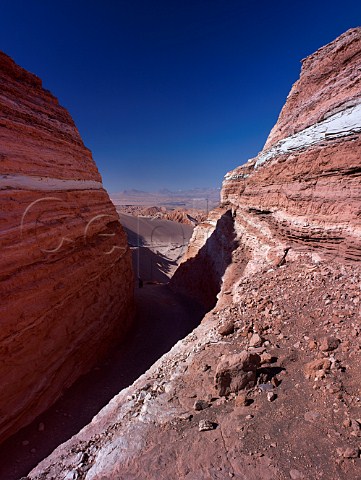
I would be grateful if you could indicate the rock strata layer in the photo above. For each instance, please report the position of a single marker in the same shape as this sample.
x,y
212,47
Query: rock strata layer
x,y
66,284
280,259
303,190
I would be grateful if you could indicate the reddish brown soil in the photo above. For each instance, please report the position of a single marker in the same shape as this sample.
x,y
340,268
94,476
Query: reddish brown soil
x,y
312,427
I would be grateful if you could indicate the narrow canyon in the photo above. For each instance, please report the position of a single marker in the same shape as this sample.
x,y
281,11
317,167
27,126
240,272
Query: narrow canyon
x,y
244,362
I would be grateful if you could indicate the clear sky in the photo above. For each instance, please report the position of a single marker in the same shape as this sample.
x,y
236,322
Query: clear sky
x,y
170,93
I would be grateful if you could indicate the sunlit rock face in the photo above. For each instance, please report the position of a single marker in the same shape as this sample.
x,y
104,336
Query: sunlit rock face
x,y
66,284
303,189
301,193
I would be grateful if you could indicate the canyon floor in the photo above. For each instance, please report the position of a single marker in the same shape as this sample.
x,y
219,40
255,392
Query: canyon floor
x,y
162,319
157,245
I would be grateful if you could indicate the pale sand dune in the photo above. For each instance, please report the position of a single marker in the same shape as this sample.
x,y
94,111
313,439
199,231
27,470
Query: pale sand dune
x,y
157,245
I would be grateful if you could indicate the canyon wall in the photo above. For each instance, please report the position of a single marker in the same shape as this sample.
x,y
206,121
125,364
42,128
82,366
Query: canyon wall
x,y
207,257
302,192
66,283
303,189
297,205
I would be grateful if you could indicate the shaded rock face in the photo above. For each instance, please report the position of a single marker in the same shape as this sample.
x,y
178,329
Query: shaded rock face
x,y
66,284
207,258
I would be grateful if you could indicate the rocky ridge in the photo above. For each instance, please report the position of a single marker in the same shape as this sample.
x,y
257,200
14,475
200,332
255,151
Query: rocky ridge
x,y
187,216
66,279
267,387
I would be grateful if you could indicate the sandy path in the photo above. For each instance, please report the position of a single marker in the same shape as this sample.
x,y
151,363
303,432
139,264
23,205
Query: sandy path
x,y
162,319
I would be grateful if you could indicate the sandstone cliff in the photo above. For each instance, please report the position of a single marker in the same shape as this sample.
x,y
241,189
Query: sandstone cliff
x,y
303,189
283,255
66,284
302,192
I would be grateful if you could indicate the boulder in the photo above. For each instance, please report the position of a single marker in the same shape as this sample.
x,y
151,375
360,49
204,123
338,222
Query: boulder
x,y
236,372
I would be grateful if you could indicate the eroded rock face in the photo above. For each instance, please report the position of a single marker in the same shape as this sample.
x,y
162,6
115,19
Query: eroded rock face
x,y
303,190
66,283
329,82
206,259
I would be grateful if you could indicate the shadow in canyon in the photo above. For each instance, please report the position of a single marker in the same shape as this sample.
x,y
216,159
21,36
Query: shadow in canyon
x,y
162,318
152,266
164,315
200,277
157,246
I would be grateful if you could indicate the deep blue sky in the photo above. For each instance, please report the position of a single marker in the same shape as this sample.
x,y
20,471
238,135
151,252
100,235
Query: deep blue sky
x,y
170,94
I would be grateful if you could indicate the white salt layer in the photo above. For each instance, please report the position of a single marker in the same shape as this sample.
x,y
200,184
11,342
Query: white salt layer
x,y
338,125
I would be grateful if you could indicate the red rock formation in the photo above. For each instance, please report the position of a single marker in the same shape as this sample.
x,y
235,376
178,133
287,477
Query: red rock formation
x,y
303,189
329,82
302,192
66,280
207,257
296,205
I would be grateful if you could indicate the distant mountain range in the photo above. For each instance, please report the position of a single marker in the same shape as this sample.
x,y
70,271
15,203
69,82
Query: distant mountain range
x,y
199,198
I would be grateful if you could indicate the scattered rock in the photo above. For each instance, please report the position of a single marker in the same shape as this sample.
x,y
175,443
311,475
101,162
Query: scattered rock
x,y
266,358
348,452
265,387
236,372
312,345
205,367
329,343
200,405
72,475
255,340
227,328
242,400
346,423
319,364
205,425
355,425
275,381
296,475
271,396
258,350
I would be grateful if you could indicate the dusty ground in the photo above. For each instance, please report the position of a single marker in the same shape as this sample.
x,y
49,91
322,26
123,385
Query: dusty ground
x,y
156,330
157,245
302,419
312,429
